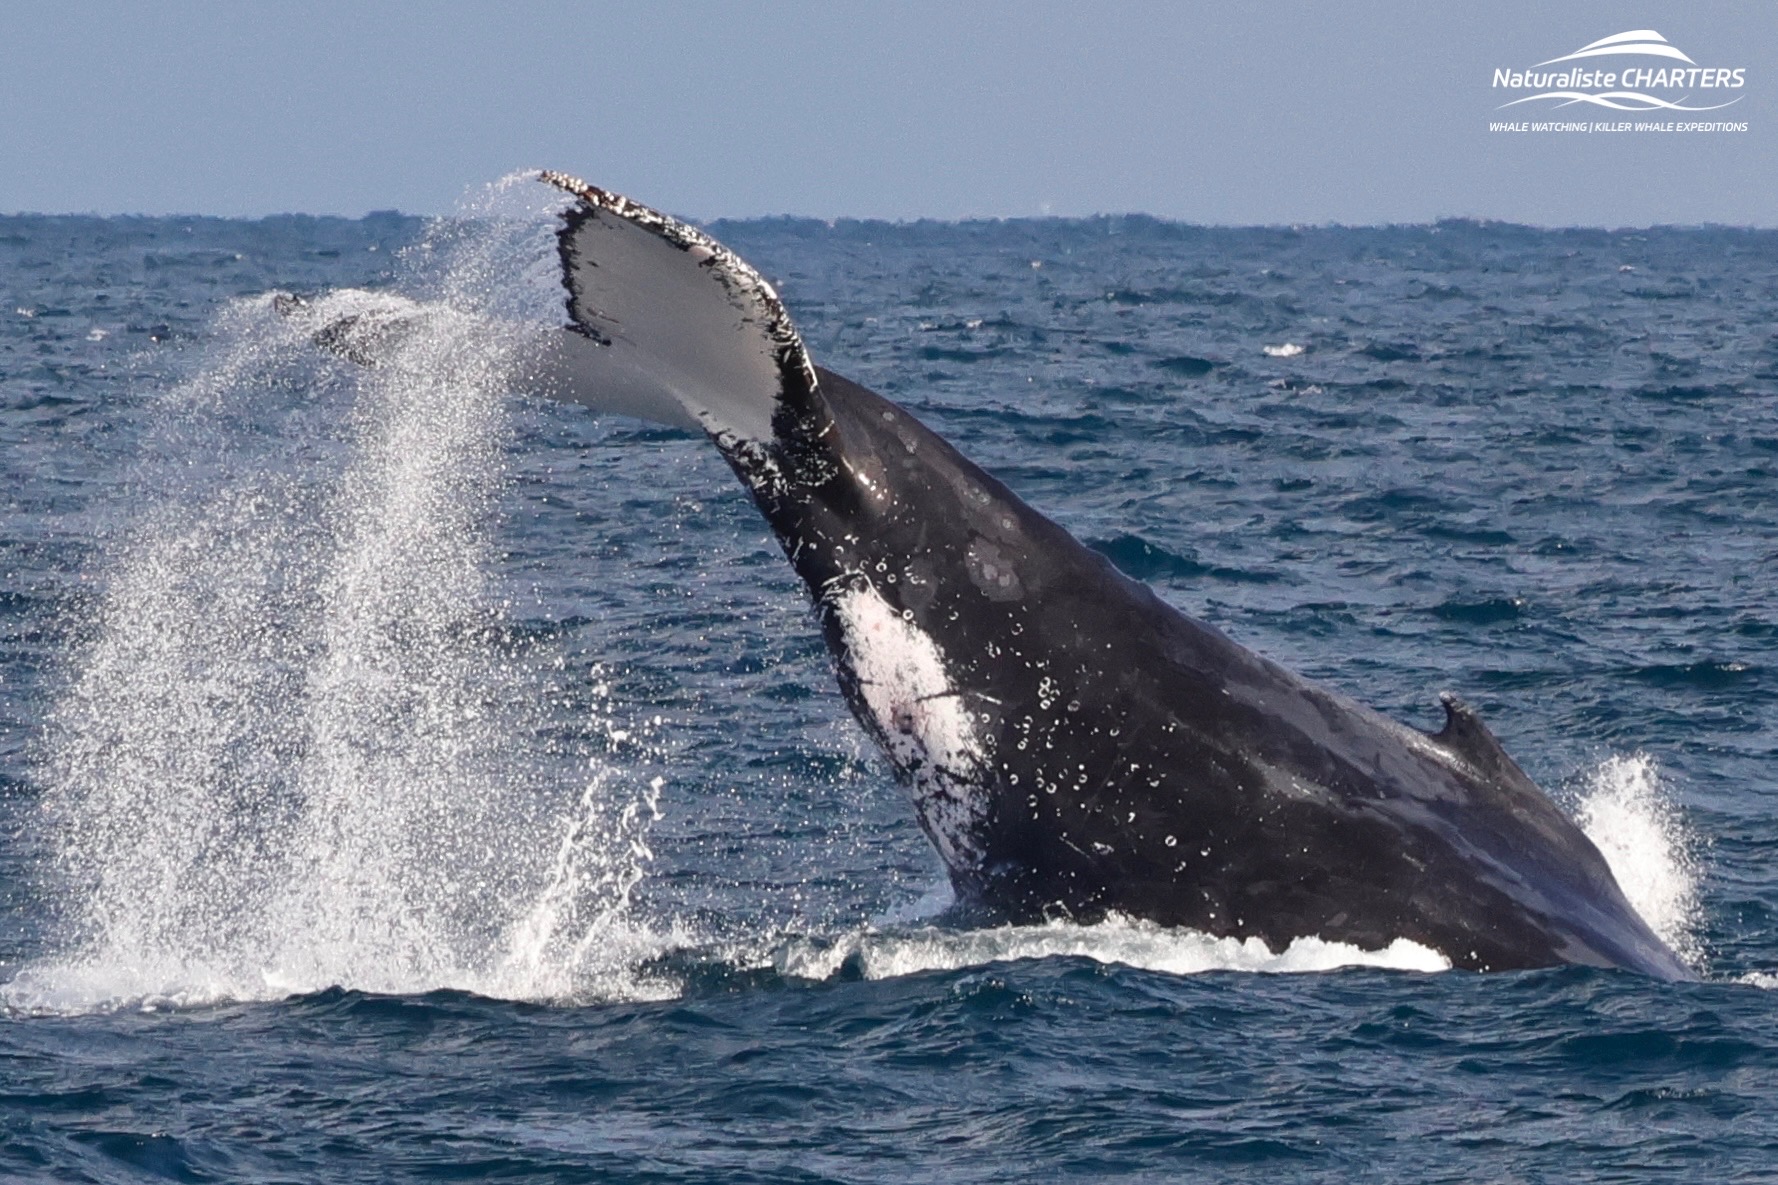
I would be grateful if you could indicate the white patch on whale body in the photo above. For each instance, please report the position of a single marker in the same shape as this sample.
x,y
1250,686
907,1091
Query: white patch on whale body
x,y
921,717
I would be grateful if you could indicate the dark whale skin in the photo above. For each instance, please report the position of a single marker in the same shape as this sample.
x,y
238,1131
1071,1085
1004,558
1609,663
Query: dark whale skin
x,y
1139,762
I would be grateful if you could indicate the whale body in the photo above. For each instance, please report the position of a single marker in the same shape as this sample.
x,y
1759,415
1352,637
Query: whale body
x,y
1074,746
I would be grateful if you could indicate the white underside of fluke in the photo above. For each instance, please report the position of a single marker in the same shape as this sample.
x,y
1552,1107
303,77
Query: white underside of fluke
x,y
674,323
664,323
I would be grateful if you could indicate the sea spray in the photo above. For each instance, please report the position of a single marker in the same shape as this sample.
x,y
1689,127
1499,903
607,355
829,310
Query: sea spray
x,y
1625,811
297,746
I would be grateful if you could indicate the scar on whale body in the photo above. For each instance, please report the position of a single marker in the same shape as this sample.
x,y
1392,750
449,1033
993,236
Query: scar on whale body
x,y
1074,746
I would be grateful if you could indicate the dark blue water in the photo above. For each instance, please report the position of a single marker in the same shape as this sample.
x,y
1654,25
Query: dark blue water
x,y
404,780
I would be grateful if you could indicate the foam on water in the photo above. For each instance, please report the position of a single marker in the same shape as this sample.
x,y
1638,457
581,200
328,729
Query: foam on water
x,y
1116,940
292,751
1653,854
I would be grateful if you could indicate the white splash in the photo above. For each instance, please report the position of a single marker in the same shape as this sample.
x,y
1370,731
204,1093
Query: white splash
x,y
1130,943
1287,350
1653,854
293,752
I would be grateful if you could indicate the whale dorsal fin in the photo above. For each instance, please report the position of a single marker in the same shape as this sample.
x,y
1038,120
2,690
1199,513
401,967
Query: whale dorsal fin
x,y
1467,738
669,314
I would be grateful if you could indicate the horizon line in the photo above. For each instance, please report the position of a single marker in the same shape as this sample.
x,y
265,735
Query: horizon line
x,y
915,220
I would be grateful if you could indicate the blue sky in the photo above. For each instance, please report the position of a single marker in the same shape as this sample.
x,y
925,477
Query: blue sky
x,y
1220,113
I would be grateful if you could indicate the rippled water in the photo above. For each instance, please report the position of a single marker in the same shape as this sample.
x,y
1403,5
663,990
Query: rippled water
x,y
401,780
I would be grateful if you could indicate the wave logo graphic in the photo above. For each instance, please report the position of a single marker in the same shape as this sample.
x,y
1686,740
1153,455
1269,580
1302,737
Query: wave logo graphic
x,y
1636,41
1629,86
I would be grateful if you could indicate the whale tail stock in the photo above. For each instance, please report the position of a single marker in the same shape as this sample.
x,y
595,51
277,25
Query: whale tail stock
x,y
640,293
1331,820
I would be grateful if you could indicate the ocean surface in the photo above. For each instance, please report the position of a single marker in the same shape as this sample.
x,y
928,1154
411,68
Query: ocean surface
x,y
403,779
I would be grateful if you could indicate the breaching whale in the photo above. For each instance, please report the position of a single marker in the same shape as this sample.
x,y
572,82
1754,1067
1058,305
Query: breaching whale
x,y
1074,745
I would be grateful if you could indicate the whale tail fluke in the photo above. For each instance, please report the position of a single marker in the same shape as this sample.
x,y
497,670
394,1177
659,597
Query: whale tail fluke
x,y
663,323
674,321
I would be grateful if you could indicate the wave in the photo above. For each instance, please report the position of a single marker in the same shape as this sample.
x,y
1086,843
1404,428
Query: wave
x,y
1633,41
632,963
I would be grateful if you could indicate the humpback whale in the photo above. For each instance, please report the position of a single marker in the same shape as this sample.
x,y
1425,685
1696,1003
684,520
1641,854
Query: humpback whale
x,y
1074,746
